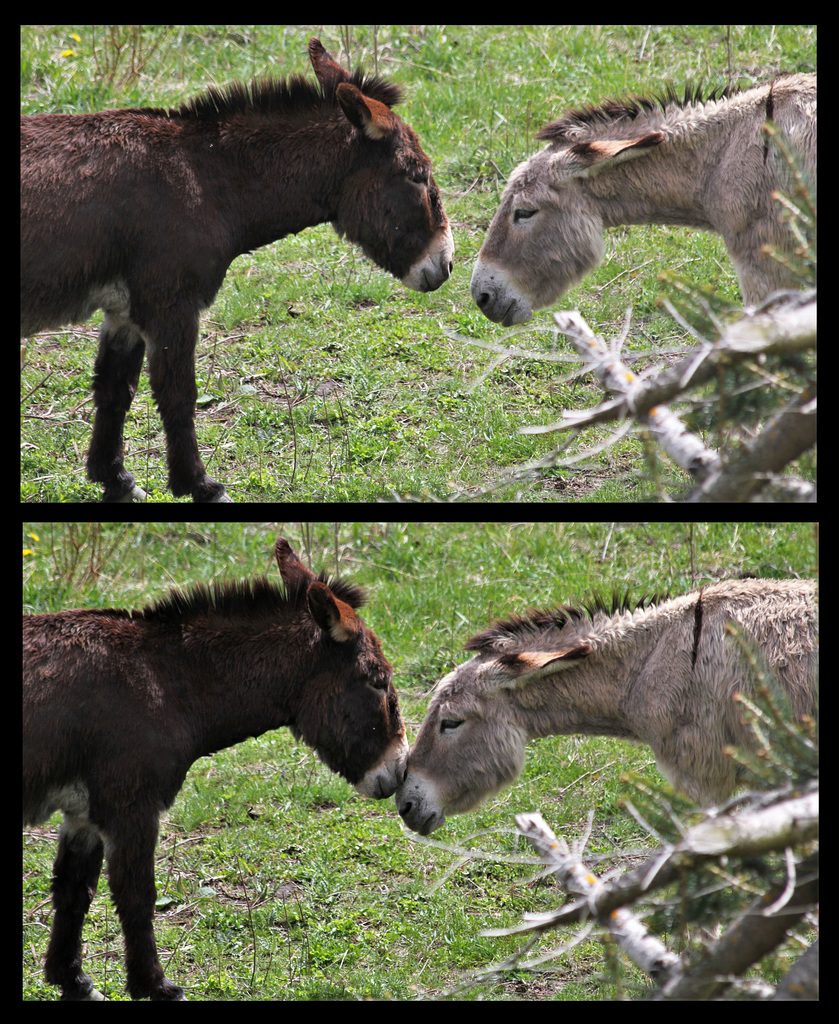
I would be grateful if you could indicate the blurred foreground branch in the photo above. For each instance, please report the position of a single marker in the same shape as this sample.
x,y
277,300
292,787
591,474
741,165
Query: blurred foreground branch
x,y
720,839
784,330
731,887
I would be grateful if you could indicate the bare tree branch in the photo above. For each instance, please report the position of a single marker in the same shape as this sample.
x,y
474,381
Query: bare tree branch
x,y
766,824
786,329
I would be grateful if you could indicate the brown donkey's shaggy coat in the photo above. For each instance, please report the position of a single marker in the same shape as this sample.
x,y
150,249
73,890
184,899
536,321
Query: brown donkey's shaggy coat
x,y
117,705
141,212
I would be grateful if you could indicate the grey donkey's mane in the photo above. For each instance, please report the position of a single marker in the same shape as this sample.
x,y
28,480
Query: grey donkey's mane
x,y
503,634
588,122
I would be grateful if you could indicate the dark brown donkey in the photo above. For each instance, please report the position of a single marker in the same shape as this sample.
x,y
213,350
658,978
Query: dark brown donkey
x,y
118,704
141,212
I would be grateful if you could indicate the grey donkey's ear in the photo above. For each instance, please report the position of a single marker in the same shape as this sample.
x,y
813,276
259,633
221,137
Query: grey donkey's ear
x,y
580,158
524,668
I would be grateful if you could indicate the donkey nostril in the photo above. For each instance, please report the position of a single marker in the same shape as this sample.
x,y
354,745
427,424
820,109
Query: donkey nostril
x,y
483,300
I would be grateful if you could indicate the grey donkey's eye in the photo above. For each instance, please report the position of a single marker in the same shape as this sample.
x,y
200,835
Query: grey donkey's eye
x,y
450,724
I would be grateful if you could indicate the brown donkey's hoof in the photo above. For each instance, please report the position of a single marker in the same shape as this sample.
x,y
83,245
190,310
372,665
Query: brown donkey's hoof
x,y
135,493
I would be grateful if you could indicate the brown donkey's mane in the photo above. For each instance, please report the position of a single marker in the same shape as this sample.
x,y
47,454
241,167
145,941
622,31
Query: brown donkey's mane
x,y
291,95
253,598
250,597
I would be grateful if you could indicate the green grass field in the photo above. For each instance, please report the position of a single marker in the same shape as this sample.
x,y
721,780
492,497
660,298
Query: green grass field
x,y
275,879
321,378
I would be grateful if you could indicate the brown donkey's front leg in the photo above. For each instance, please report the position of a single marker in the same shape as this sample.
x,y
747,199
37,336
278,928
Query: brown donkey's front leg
x,y
130,856
171,361
75,875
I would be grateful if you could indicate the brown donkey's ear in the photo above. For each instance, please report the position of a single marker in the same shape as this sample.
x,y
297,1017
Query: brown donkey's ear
x,y
524,668
333,616
369,116
291,568
327,69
